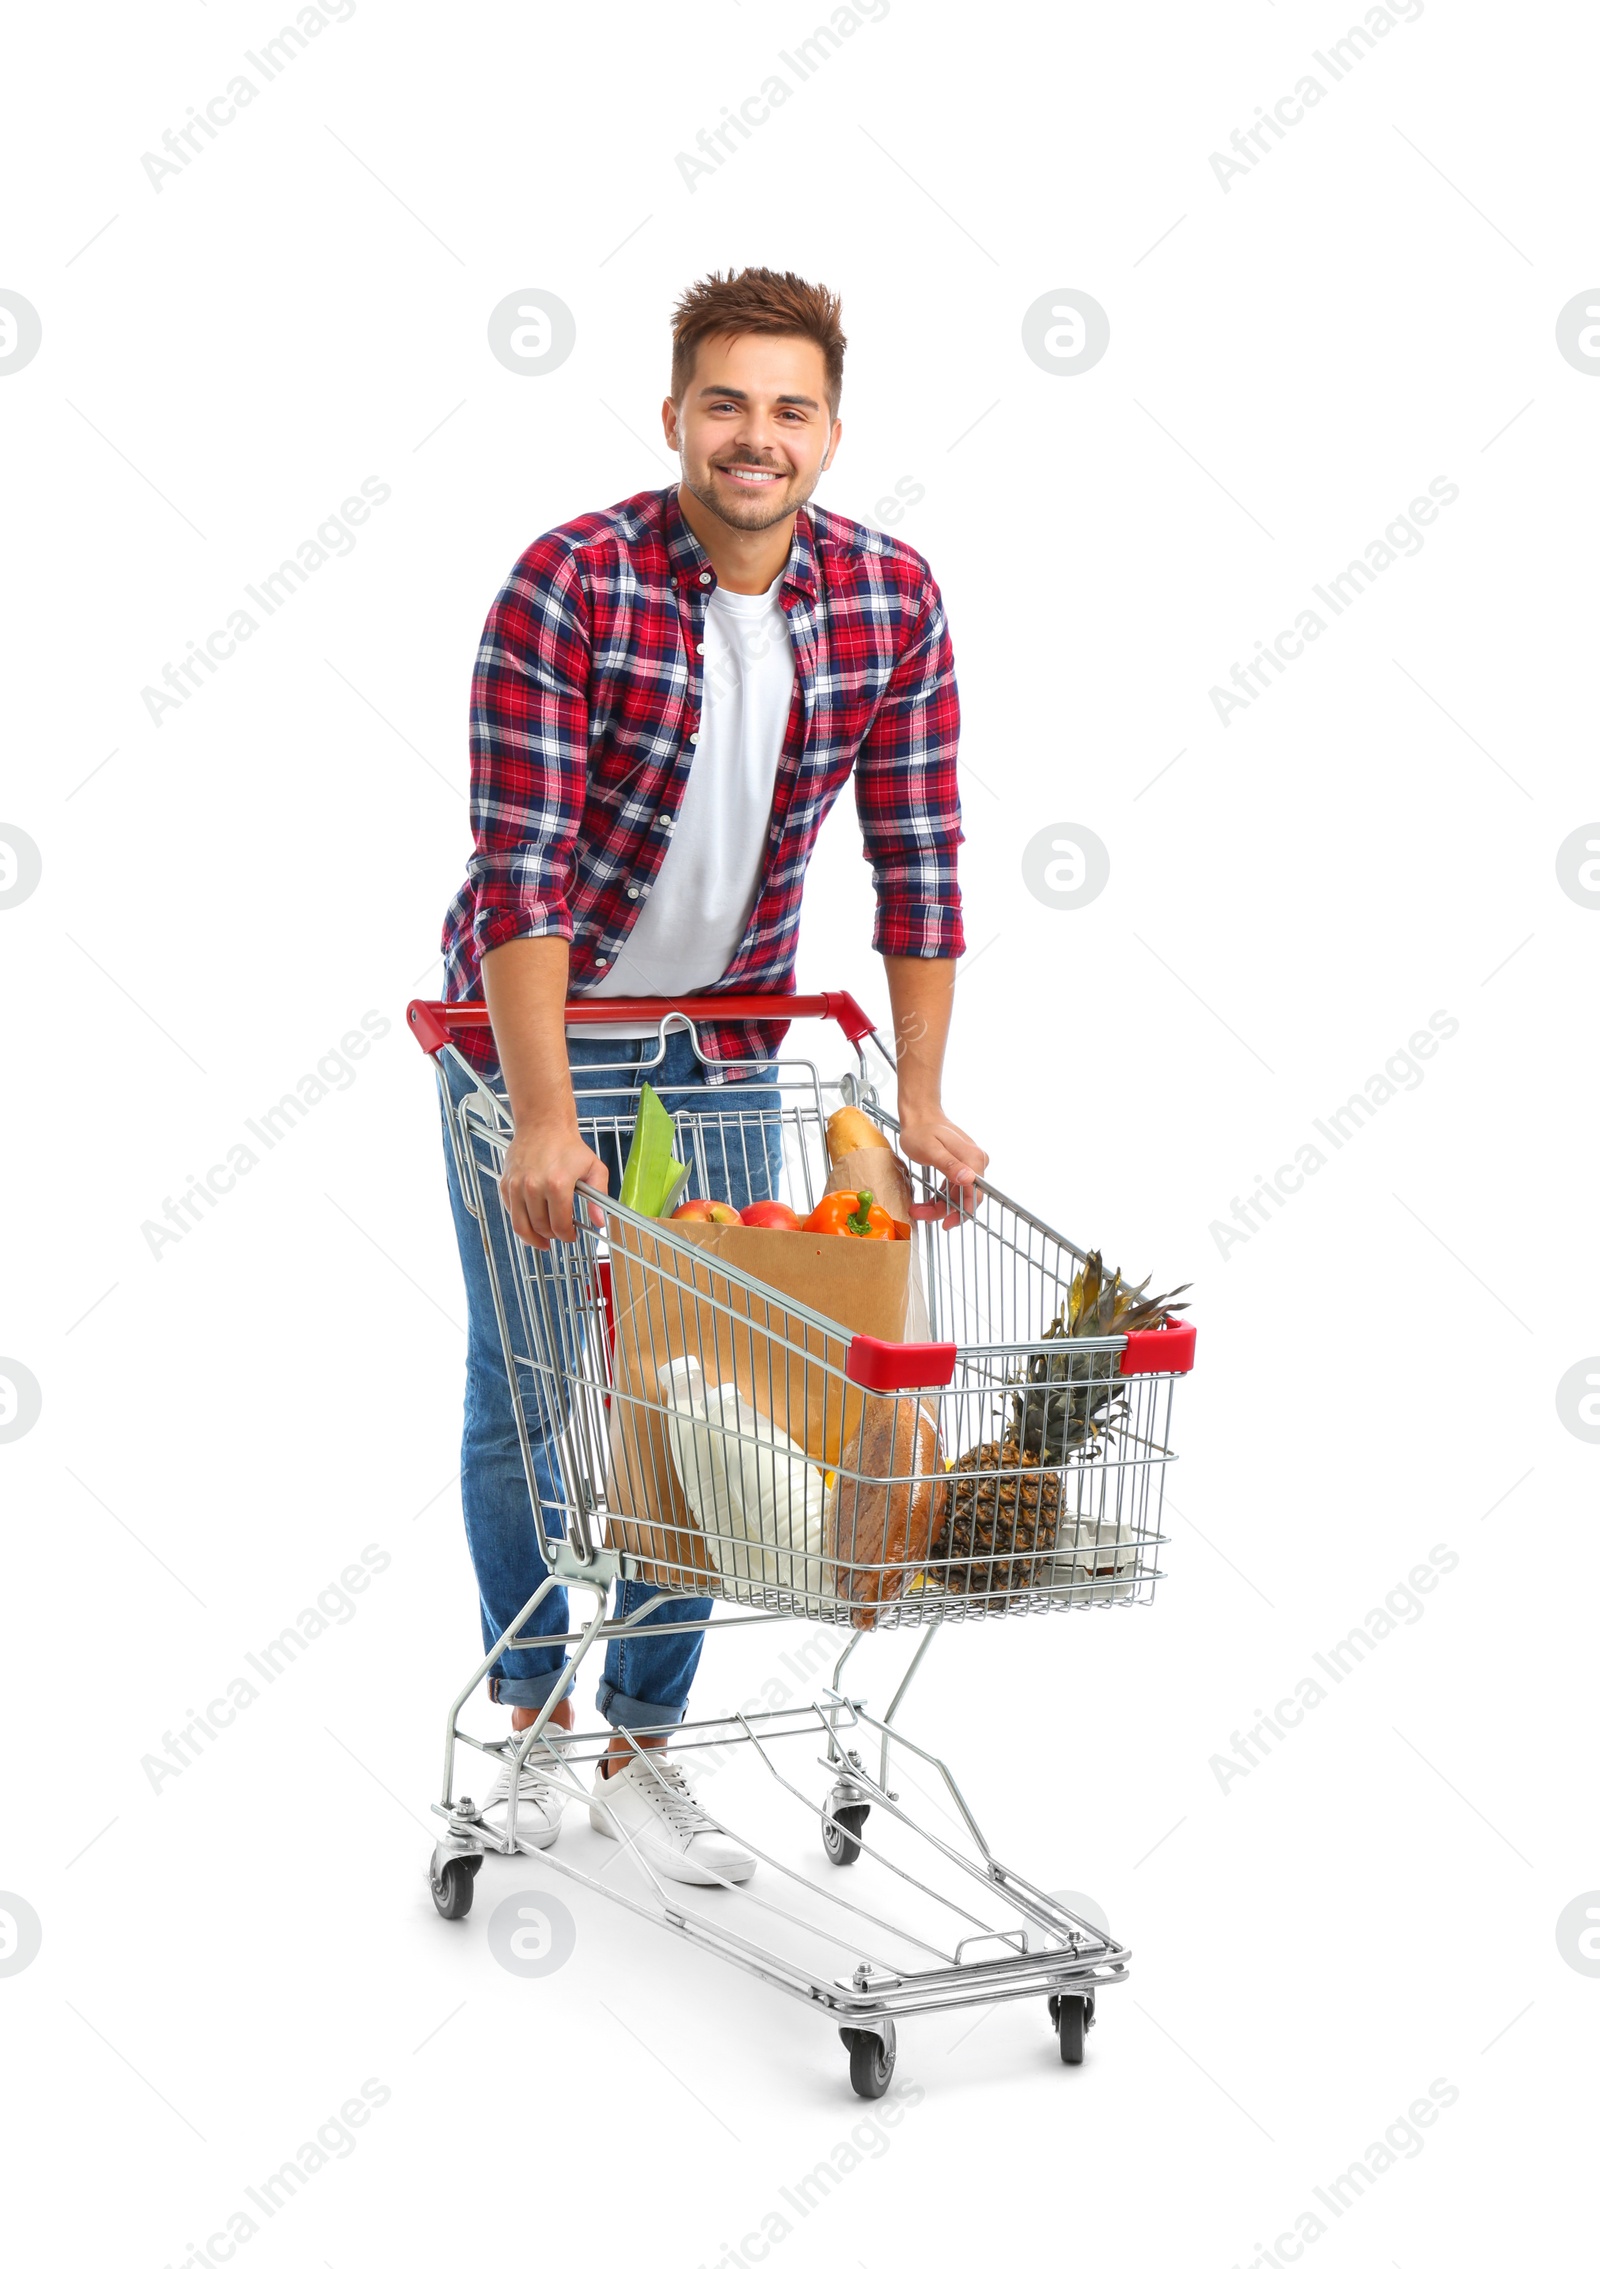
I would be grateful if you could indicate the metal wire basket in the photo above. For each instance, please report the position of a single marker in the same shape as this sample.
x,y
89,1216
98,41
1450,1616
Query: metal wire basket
x,y
791,1463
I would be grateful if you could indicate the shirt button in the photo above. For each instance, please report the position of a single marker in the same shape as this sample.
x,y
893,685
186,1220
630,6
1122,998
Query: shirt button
x,y
705,578
600,961
699,649
632,893
694,736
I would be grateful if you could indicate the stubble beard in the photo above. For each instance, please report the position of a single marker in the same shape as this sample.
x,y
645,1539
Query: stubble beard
x,y
752,514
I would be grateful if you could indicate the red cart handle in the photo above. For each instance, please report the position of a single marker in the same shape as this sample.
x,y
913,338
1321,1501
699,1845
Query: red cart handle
x,y
435,1023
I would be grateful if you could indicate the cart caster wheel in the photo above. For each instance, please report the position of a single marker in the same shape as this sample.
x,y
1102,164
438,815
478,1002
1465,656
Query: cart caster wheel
x,y
871,2059
841,1833
452,1886
1071,2015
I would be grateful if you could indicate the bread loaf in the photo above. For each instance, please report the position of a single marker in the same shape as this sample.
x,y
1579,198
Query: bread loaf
x,y
851,1129
880,1508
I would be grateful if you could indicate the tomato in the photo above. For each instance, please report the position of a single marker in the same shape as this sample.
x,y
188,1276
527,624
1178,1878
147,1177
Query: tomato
x,y
770,1213
851,1213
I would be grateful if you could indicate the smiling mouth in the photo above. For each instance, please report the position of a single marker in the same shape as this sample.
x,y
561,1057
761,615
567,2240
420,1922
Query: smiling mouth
x,y
749,476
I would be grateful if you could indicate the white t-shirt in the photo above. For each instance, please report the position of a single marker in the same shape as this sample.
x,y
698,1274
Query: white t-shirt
x,y
694,915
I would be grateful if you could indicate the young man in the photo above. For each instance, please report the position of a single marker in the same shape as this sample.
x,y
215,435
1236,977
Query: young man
x,y
669,696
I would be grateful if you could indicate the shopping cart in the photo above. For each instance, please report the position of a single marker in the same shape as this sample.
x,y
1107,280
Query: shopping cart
x,y
992,1468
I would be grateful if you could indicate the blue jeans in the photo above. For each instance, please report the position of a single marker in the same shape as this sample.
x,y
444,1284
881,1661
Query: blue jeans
x,y
647,1679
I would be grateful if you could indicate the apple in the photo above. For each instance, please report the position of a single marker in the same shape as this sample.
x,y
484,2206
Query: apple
x,y
705,1209
771,1213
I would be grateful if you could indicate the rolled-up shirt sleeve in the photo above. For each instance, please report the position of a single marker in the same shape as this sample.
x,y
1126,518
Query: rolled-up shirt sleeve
x,y
907,796
529,744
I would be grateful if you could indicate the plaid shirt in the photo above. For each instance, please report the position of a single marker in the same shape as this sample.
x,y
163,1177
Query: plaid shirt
x,y
585,700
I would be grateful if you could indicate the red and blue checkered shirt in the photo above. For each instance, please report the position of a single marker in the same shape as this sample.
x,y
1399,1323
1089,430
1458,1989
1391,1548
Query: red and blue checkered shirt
x,y
587,690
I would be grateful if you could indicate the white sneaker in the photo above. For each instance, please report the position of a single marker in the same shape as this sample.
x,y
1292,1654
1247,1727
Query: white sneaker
x,y
649,1804
539,1806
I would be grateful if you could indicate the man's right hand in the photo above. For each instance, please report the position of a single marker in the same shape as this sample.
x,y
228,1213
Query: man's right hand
x,y
544,1166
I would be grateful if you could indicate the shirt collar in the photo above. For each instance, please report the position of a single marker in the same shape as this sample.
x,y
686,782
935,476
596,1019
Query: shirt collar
x,y
687,560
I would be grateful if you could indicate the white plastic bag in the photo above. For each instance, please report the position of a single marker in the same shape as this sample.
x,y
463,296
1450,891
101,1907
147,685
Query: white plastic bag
x,y
757,1498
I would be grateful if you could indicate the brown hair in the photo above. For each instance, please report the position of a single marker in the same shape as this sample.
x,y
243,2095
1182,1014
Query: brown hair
x,y
762,300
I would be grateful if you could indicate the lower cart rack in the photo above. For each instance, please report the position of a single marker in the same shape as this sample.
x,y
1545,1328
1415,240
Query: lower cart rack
x,y
864,1953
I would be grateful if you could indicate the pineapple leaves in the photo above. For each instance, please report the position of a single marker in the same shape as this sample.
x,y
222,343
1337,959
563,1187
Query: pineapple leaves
x,y
1098,1307
1072,1399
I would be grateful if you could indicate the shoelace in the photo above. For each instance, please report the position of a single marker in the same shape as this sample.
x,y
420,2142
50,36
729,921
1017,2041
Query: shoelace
x,y
672,1798
530,1791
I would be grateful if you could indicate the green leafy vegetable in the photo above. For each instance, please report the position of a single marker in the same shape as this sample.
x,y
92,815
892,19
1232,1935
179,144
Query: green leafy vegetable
x,y
652,1174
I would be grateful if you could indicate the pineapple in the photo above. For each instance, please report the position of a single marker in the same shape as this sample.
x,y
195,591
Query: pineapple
x,y
1002,1501
995,1500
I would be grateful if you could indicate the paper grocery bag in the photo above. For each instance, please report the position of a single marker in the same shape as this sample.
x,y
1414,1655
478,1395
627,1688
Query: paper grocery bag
x,y
883,1172
667,1303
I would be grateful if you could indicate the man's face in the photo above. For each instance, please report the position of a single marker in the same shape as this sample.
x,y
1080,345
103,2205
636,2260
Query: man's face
x,y
753,430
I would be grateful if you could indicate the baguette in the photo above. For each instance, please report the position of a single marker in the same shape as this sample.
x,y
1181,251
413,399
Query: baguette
x,y
879,1518
851,1129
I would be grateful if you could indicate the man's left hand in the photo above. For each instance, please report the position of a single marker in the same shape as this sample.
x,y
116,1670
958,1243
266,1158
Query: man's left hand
x,y
928,1138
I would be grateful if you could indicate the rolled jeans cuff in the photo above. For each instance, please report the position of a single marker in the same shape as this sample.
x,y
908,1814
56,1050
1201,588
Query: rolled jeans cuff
x,y
628,1714
525,1693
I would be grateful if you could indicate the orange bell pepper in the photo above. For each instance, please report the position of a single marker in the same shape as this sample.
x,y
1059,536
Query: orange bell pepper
x,y
851,1213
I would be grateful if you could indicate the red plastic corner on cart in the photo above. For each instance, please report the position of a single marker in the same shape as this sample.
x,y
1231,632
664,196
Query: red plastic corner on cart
x,y
851,1018
883,1366
1170,1348
429,1021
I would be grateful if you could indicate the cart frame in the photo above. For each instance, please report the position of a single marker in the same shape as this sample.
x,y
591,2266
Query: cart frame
x,y
1012,1940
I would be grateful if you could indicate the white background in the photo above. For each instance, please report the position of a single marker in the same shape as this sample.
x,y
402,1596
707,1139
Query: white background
x,y
223,1428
